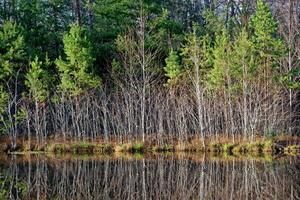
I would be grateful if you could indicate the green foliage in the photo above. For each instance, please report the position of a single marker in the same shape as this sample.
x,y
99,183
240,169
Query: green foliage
x,y
270,134
129,147
173,68
37,80
21,114
58,148
226,60
3,186
213,24
243,52
290,79
22,187
197,54
114,16
82,147
218,75
167,33
4,96
264,27
11,49
76,71
116,66
44,23
12,59
267,46
138,147
243,68
7,183
228,147
163,148
165,24
215,147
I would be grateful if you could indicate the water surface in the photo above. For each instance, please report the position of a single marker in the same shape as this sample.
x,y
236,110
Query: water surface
x,y
148,177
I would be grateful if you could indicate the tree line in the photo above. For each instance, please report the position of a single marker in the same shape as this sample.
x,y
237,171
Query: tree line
x,y
127,70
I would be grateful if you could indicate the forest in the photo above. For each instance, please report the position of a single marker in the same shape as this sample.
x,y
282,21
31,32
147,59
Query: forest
x,y
148,70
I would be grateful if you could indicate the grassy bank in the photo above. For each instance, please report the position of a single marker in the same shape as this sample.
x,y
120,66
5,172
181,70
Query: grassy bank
x,y
279,145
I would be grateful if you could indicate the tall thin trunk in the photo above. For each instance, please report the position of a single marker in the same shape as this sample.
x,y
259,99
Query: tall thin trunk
x,y
245,111
199,98
90,14
77,5
290,61
143,66
37,122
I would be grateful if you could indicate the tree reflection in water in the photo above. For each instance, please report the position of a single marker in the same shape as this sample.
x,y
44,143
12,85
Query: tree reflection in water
x,y
159,177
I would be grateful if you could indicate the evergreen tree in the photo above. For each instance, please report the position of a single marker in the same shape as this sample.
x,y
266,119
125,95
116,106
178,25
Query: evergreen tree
x,y
12,49
196,59
76,70
37,80
243,61
44,23
3,103
12,55
218,76
167,33
12,62
243,74
267,46
264,28
173,68
197,54
213,24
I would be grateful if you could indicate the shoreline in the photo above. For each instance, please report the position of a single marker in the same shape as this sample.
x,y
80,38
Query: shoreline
x,y
270,146
195,156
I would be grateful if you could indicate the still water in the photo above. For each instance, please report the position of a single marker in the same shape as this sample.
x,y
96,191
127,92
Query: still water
x,y
188,176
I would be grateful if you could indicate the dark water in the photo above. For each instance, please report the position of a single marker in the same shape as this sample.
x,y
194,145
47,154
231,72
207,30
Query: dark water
x,y
148,177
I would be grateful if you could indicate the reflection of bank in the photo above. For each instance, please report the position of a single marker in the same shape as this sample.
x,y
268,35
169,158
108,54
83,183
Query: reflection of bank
x,y
160,176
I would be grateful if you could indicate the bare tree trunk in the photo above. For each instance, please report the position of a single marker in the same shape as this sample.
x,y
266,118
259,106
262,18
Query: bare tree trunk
x,y
90,14
77,5
245,110
199,97
143,66
290,59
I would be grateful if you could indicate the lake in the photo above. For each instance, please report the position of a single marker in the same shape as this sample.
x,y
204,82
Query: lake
x,y
161,176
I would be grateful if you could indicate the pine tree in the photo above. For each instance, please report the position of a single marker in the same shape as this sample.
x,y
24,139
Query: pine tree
x,y
220,78
76,70
44,23
37,80
3,102
197,55
12,61
12,58
218,75
267,46
242,59
12,49
213,24
167,33
243,74
196,59
264,28
173,68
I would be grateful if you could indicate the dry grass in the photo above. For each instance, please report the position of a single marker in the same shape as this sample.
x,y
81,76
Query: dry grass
x,y
220,144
